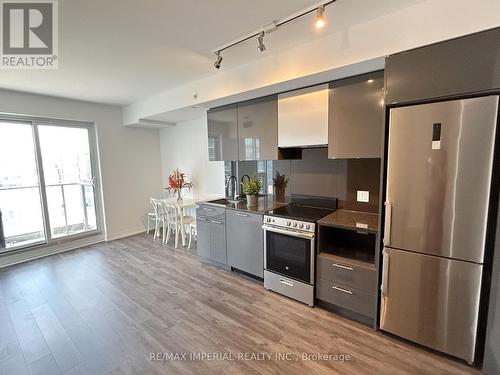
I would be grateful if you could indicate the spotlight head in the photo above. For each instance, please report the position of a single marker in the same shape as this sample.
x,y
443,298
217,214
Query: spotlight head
x,y
218,61
320,20
261,47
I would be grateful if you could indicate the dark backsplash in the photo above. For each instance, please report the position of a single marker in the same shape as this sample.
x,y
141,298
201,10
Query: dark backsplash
x,y
317,175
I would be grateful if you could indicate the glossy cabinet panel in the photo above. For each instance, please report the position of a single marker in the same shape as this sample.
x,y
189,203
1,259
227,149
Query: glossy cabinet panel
x,y
211,227
222,123
459,66
347,297
356,116
346,273
203,238
218,241
303,117
245,242
258,129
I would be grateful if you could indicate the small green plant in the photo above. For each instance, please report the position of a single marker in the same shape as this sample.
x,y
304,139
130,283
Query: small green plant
x,y
280,181
252,185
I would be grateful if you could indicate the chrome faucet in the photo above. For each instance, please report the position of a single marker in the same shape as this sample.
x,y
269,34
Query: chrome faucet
x,y
231,187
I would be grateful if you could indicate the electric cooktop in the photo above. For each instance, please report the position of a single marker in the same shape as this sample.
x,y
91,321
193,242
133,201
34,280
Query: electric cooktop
x,y
306,208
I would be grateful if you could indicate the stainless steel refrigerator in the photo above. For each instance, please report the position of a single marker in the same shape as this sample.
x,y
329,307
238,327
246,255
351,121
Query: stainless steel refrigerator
x,y
439,171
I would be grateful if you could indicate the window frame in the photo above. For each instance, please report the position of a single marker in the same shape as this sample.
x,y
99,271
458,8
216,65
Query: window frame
x,y
96,174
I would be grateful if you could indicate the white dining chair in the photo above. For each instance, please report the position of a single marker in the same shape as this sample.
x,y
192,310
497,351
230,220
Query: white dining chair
x,y
170,220
152,215
177,222
159,216
193,232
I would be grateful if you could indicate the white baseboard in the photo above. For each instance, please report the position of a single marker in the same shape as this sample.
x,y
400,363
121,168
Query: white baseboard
x,y
125,233
25,255
19,256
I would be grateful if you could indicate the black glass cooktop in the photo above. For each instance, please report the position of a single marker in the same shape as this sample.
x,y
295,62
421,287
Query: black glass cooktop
x,y
300,212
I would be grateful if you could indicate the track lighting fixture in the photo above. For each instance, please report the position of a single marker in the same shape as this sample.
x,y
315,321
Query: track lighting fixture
x,y
218,61
261,47
319,23
320,20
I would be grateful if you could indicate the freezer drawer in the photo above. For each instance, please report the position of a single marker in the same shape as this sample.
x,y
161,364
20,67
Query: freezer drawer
x,y
439,175
432,301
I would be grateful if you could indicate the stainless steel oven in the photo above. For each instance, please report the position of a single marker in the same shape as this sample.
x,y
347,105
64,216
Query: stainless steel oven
x,y
289,258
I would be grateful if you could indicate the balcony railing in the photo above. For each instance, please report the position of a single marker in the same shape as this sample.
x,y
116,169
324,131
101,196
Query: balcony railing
x,y
71,210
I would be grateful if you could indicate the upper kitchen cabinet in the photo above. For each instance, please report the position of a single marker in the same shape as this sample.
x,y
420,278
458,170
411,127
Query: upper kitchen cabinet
x,y
223,133
303,117
258,129
356,117
469,64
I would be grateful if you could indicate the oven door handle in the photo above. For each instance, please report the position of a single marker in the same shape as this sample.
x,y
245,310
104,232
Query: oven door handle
x,y
305,235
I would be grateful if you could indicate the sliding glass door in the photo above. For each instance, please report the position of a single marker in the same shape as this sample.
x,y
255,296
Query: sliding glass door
x,y
47,182
67,171
20,196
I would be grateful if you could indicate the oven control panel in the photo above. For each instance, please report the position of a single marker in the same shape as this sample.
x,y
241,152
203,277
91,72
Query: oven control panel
x,y
304,226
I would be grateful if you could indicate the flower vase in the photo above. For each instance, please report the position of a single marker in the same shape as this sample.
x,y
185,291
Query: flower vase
x,y
179,195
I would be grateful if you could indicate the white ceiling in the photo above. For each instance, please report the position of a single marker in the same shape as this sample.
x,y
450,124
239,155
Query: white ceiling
x,y
120,51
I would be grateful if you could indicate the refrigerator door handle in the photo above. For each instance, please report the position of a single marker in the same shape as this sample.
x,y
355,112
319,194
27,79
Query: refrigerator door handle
x,y
385,272
388,223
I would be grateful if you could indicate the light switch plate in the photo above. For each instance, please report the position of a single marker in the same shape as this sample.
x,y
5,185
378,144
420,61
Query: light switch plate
x,y
363,196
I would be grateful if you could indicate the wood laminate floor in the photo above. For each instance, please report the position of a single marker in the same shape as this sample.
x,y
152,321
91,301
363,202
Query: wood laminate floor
x,y
107,308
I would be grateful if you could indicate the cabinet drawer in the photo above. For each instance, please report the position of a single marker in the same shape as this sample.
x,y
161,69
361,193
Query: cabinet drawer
x,y
289,287
347,297
212,212
347,274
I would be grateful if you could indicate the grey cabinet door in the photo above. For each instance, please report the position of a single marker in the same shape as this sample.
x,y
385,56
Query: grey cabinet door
x,y
218,241
356,115
223,133
463,65
245,242
258,129
203,240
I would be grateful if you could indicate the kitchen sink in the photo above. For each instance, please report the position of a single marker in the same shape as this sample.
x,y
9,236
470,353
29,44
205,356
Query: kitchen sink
x,y
220,202
226,201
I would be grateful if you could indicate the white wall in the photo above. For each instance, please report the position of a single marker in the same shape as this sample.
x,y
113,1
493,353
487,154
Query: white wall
x,y
184,146
129,157
365,39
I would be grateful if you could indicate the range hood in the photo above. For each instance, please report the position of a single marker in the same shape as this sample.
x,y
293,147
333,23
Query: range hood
x,y
303,117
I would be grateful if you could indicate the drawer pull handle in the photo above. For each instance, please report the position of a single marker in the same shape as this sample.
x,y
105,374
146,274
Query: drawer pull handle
x,y
216,221
342,289
286,282
202,219
242,215
342,266
208,209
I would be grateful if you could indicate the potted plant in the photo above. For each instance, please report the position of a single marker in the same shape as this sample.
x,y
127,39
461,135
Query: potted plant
x,y
177,182
280,183
251,187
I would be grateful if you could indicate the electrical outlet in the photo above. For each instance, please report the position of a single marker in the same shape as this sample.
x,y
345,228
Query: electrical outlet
x,y
363,196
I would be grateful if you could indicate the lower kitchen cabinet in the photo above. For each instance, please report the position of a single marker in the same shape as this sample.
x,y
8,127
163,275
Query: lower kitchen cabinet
x,y
211,229
346,271
203,236
347,283
245,242
218,241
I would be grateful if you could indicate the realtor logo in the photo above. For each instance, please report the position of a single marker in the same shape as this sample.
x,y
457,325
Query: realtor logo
x,y
29,34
